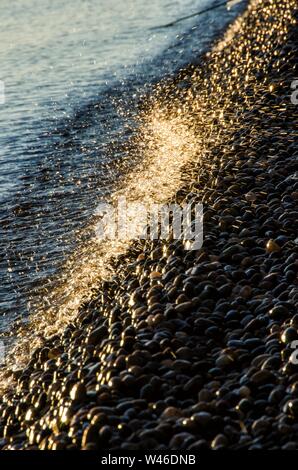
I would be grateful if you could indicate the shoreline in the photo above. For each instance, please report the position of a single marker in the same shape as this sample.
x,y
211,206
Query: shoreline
x,y
52,287
194,355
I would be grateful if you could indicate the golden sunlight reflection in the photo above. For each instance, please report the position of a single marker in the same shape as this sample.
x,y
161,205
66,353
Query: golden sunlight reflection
x,y
166,144
169,137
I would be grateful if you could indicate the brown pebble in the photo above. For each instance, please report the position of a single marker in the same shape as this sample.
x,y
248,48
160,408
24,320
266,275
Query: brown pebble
x,y
263,377
272,246
172,412
155,275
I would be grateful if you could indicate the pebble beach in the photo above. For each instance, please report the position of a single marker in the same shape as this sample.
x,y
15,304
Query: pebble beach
x,y
193,349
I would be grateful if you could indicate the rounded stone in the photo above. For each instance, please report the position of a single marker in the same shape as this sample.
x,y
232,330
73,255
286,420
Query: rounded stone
x,y
78,392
